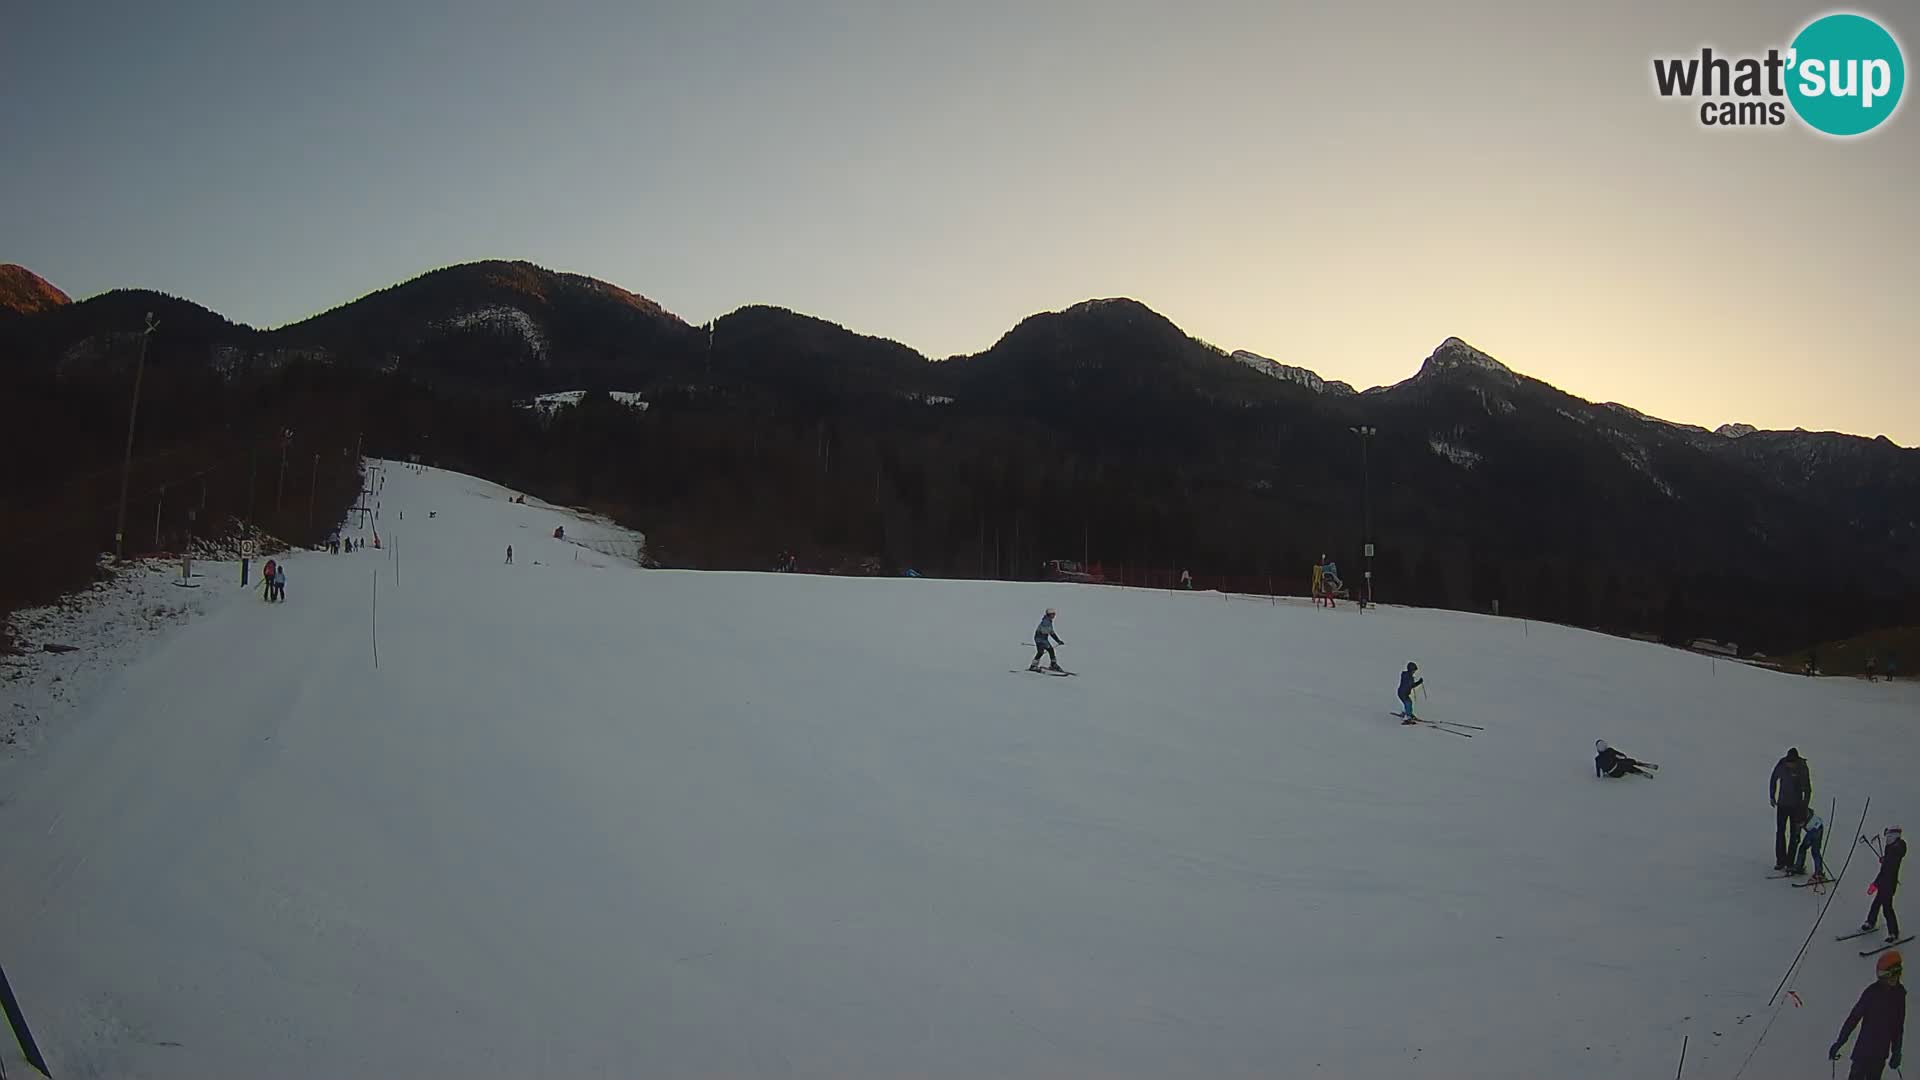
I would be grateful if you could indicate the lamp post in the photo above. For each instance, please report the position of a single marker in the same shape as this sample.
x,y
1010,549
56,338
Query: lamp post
x,y
1366,502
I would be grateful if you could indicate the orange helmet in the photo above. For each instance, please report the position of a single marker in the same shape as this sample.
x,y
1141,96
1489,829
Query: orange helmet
x,y
1889,962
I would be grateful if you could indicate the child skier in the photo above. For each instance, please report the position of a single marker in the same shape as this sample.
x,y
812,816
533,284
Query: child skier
x,y
1881,1014
1886,883
1407,683
1813,834
1044,639
266,581
1611,763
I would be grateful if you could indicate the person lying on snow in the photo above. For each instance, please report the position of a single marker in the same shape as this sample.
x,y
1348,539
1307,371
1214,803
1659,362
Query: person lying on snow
x,y
1609,762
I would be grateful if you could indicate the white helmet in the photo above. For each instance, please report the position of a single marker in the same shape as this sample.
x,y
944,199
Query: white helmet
x,y
1600,745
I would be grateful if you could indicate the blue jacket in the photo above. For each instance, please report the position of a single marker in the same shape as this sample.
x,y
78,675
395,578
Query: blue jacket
x,y
1407,683
1044,631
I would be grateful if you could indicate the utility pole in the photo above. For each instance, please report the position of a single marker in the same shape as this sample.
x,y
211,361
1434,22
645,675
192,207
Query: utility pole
x,y
126,461
280,496
313,488
1366,501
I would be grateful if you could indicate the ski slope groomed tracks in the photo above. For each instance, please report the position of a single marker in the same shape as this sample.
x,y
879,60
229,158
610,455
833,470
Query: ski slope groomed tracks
x,y
586,819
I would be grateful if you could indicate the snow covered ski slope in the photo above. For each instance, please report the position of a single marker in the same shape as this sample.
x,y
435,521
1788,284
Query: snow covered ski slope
x,y
586,819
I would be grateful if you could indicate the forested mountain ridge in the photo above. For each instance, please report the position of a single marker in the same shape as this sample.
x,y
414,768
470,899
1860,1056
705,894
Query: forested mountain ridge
x,y
1103,430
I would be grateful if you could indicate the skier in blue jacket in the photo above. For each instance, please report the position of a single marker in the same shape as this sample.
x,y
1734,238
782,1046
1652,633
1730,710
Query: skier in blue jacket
x,y
1813,835
1044,639
1407,682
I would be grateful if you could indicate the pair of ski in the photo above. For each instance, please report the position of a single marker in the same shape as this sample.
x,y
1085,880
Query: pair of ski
x,y
1810,883
1879,949
1063,673
1450,726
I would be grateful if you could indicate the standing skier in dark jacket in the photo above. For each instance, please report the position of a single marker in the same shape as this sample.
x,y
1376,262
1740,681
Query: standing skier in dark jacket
x,y
1886,883
1881,1014
1789,790
1407,682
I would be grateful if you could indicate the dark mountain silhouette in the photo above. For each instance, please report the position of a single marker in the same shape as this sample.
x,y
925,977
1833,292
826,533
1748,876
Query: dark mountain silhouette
x,y
23,292
498,326
1101,431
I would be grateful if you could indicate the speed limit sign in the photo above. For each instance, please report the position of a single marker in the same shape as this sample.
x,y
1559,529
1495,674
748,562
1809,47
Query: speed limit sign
x,y
247,549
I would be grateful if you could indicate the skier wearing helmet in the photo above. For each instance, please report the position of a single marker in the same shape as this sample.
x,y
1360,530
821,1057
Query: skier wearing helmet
x,y
1881,1015
1407,682
1611,763
1893,849
1044,639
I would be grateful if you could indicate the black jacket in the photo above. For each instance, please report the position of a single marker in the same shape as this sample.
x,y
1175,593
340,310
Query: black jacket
x,y
1881,1014
1792,783
1611,762
1889,875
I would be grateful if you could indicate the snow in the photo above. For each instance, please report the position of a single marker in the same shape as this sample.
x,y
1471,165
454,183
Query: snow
x,y
1494,403
119,616
1455,353
1640,460
502,318
588,819
548,403
1453,452
1288,373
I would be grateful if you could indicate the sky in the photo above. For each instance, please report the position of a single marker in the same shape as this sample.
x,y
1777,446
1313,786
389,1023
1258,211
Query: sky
x,y
1337,186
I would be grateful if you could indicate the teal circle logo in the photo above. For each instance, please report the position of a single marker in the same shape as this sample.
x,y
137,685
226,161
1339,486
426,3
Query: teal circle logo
x,y
1846,74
